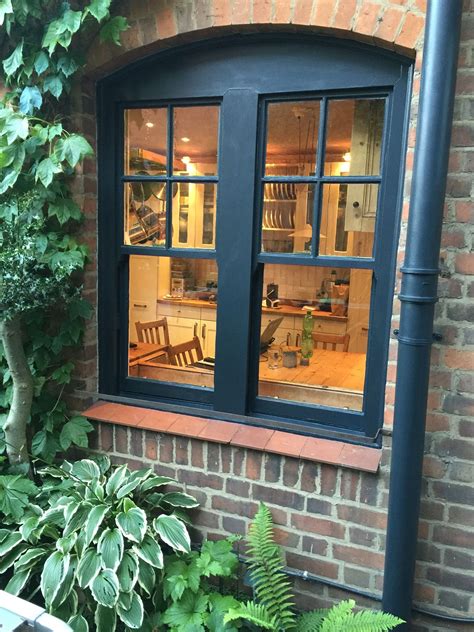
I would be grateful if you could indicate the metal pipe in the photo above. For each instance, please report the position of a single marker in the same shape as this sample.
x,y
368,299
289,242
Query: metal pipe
x,y
418,296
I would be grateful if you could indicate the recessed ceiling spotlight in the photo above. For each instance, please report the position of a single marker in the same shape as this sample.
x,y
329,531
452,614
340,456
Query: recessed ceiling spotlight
x,y
347,156
186,160
185,139
149,124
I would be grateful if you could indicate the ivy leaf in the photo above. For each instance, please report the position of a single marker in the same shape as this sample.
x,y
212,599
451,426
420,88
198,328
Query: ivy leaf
x,y
72,20
99,9
12,63
16,126
30,99
67,65
80,308
8,180
15,493
53,84
64,209
111,31
5,7
41,62
75,432
46,170
51,37
73,149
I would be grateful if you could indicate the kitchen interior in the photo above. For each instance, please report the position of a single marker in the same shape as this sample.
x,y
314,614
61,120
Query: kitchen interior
x,y
177,297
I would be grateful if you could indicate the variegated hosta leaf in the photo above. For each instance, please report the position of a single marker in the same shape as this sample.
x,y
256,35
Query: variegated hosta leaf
x,y
127,572
88,567
18,582
10,558
146,577
110,547
179,499
133,615
173,532
77,518
65,545
105,619
53,575
29,559
93,522
10,542
67,584
78,623
132,482
116,480
132,524
149,551
28,527
155,481
105,588
85,470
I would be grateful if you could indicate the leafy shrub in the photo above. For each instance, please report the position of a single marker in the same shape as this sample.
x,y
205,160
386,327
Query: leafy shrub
x,y
272,608
93,543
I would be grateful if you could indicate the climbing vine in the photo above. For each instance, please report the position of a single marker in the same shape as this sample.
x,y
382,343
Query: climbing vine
x,y
42,313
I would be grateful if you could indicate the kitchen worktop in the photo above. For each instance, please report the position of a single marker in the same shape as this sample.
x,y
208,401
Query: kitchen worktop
x,y
284,310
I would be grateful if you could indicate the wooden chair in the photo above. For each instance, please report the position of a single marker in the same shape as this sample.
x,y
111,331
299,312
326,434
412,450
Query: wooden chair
x,y
185,353
154,332
330,341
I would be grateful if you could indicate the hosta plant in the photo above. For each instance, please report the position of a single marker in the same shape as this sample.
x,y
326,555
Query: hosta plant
x,y
96,547
272,608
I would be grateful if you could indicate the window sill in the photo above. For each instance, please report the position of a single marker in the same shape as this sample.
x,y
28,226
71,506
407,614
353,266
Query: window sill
x,y
366,459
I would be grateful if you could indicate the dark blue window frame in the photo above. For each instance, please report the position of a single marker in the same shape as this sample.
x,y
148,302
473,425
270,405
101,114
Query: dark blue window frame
x,y
243,75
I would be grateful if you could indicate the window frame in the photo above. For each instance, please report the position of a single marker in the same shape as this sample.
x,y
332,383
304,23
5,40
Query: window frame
x,y
236,379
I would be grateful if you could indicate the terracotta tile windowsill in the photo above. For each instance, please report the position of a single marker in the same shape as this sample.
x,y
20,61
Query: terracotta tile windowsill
x,y
274,441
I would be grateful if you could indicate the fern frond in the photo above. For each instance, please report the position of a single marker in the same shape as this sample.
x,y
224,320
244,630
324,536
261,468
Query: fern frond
x,y
341,618
252,612
311,621
272,587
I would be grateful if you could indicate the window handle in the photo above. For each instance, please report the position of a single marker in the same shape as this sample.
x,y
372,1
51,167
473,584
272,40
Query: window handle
x,y
195,330
203,332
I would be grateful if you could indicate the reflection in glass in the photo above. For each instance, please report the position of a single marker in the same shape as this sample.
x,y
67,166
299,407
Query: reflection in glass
x,y
145,213
292,137
287,217
338,301
196,131
145,141
354,135
348,216
194,215
172,319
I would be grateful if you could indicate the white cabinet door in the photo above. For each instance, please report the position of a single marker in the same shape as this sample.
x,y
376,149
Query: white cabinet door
x,y
182,330
286,327
207,334
143,291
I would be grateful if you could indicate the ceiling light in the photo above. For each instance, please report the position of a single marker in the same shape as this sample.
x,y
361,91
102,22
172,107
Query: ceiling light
x,y
185,139
347,156
186,160
149,124
345,167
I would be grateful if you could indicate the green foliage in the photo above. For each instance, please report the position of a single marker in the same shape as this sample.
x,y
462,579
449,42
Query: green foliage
x,y
272,607
192,601
40,259
93,541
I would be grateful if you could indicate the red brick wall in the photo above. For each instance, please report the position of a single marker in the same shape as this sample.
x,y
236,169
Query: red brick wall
x,y
331,520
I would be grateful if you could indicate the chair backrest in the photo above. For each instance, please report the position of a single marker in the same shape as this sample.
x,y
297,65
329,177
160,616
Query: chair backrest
x,y
185,353
330,341
154,332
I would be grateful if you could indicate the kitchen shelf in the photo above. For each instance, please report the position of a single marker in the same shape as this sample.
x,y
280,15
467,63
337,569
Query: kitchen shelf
x,y
280,230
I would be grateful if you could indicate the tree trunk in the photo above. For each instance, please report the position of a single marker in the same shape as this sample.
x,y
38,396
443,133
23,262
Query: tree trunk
x,y
20,409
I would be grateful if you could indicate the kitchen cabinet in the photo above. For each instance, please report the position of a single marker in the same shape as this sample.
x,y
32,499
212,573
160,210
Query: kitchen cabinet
x,y
194,215
292,326
143,289
185,322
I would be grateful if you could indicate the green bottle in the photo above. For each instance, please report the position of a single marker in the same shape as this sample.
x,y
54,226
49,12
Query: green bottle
x,y
307,338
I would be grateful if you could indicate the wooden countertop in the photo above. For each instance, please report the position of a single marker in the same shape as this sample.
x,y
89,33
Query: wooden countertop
x,y
285,310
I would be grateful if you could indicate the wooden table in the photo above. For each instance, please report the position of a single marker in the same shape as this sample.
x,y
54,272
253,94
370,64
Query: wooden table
x,y
145,351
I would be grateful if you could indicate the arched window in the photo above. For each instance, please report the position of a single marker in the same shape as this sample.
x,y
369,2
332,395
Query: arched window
x,y
249,214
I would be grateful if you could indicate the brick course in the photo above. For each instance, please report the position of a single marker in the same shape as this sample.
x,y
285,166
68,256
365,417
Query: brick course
x,y
301,492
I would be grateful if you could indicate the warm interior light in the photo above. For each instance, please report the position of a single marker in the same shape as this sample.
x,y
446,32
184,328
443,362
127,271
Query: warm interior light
x,y
186,160
185,139
345,167
149,124
347,156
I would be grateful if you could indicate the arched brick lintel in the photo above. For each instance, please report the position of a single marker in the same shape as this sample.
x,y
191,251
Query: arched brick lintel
x,y
387,24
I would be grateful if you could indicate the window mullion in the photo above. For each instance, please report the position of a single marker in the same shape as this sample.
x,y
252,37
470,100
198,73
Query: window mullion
x,y
234,247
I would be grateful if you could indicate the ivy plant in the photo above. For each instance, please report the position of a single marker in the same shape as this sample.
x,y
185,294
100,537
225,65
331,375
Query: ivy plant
x,y
41,310
95,542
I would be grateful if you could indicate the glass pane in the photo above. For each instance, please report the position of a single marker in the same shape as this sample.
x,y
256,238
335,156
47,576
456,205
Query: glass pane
x,y
145,141
196,131
287,218
194,215
292,138
145,213
348,216
172,319
313,337
354,136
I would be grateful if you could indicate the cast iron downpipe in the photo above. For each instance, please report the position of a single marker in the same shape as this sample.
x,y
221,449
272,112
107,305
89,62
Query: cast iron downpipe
x,y
418,297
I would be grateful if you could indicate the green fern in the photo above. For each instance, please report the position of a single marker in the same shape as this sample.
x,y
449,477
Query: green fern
x,y
255,613
272,588
341,618
311,621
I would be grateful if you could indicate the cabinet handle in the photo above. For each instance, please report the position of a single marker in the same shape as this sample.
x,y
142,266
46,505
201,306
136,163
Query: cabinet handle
x,y
140,305
203,332
195,330
288,339
297,343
